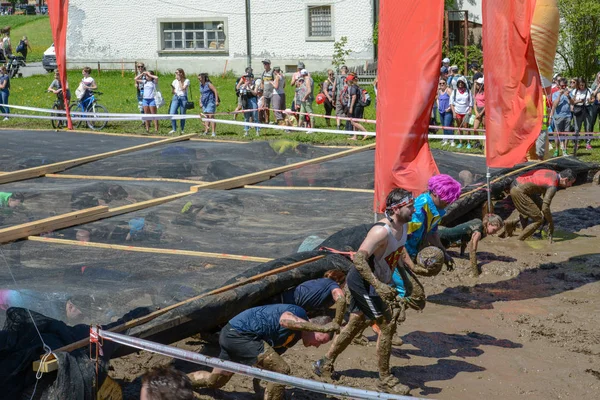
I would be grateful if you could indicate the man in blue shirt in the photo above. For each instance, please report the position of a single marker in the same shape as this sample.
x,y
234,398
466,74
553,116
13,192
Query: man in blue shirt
x,y
258,336
561,111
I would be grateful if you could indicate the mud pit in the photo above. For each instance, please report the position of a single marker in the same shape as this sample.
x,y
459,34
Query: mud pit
x,y
526,328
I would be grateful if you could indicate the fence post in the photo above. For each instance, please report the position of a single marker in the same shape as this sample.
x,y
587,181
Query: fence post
x,y
122,68
98,67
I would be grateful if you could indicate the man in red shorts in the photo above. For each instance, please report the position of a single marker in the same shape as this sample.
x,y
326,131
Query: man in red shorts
x,y
526,191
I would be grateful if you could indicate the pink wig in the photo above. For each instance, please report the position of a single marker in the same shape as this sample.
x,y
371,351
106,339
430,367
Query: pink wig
x,y
445,187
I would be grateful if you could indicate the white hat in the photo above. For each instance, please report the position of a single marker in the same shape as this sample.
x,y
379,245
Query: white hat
x,y
454,68
446,60
480,80
303,72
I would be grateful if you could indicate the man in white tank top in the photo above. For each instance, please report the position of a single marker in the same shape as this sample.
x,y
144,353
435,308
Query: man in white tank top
x,y
372,298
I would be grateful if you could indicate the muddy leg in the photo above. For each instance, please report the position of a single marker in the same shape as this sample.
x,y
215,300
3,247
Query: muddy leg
x,y
272,361
356,324
388,382
213,380
473,260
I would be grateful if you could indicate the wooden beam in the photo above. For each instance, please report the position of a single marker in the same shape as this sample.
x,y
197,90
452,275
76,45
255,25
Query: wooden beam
x,y
46,366
149,249
122,178
260,176
145,204
333,189
142,320
51,224
63,165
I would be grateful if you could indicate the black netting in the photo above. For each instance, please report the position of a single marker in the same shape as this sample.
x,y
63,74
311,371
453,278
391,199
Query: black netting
x,y
47,197
28,149
103,284
255,222
204,161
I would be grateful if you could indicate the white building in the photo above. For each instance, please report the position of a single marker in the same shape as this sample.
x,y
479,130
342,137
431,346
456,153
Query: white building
x,y
213,36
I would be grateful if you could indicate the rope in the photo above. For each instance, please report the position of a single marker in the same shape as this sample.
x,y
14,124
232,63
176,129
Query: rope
x,y
47,349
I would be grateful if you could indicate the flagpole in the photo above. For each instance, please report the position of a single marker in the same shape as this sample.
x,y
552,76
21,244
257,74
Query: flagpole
x,y
489,191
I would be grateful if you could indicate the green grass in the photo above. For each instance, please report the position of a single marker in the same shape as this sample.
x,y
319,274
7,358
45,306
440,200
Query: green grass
x,y
39,34
35,27
119,96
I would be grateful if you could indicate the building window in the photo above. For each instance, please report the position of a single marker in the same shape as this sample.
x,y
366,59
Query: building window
x,y
206,36
320,23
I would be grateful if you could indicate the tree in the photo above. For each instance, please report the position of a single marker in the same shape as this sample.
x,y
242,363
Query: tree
x,y
340,53
579,37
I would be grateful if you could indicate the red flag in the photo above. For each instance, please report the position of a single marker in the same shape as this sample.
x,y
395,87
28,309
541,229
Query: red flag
x,y
59,15
410,54
513,109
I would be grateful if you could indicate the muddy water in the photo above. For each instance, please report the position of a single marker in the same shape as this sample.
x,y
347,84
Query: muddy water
x,y
527,328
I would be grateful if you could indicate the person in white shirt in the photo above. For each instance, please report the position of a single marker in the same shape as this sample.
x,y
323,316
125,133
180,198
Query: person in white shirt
x,y
179,88
581,100
461,102
88,83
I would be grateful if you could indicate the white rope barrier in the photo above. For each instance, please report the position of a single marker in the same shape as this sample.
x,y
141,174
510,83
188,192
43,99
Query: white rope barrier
x,y
253,372
288,128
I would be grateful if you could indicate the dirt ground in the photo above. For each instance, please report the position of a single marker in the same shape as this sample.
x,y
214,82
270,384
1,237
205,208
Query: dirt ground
x,y
526,328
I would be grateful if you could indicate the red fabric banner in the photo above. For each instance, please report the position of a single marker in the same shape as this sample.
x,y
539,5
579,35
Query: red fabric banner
x,y
59,16
410,54
513,95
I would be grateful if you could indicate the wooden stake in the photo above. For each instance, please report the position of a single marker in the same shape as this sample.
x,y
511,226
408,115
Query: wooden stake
x,y
148,249
51,224
142,320
63,165
260,176
333,189
121,178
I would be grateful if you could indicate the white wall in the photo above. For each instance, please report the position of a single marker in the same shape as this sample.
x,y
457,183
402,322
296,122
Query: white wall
x,y
472,6
112,30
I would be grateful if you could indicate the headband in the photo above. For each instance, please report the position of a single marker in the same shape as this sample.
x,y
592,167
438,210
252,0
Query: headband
x,y
401,203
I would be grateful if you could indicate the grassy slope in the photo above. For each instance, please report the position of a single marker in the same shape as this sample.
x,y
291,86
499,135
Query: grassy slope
x,y
35,27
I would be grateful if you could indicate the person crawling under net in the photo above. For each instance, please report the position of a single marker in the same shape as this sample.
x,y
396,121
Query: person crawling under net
x,y
468,235
258,337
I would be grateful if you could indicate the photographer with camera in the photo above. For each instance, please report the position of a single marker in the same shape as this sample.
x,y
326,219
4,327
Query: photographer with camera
x,y
247,90
561,111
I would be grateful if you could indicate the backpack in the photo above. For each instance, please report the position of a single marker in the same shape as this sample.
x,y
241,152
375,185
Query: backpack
x,y
21,46
454,95
364,98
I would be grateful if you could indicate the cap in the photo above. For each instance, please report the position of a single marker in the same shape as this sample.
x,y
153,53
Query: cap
x,y
480,81
454,68
303,72
350,76
301,65
555,76
266,61
446,60
444,70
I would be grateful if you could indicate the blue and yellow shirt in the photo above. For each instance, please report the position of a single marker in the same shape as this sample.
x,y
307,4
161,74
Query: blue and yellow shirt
x,y
425,220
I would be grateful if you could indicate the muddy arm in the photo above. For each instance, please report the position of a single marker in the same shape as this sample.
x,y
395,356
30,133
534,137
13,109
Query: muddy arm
x,y
362,266
340,305
290,321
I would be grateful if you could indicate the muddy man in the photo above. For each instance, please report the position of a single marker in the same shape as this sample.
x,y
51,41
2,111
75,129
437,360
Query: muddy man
x,y
258,337
525,192
372,297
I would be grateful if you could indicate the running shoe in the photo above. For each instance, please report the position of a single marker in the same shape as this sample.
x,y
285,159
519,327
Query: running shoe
x,y
444,142
555,154
468,145
588,146
459,146
452,144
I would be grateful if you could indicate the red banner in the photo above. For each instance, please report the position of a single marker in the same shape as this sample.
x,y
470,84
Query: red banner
x,y
513,95
59,16
410,54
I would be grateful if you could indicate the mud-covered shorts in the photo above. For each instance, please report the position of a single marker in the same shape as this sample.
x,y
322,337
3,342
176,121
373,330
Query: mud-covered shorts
x,y
364,298
239,347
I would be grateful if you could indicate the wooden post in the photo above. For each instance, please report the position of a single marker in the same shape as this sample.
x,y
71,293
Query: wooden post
x,y
122,68
447,18
466,33
98,67
225,68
